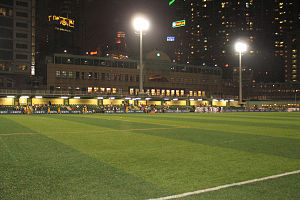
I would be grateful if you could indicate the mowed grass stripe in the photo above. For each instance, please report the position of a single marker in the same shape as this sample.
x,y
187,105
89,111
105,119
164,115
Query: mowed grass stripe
x,y
125,118
113,123
7,125
176,165
284,147
247,117
47,169
52,124
215,126
227,121
276,189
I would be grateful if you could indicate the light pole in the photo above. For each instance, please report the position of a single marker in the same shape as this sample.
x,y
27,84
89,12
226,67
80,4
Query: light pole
x,y
240,47
296,96
141,24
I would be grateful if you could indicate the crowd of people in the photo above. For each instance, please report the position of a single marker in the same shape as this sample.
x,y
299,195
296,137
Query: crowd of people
x,y
111,108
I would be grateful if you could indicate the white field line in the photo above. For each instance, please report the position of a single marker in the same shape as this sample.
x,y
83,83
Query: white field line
x,y
226,186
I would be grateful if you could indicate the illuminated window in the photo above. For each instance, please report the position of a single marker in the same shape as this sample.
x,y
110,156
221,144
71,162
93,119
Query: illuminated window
x,y
163,92
57,74
22,67
167,92
71,75
191,93
177,92
102,90
158,91
64,74
108,90
172,92
90,89
114,90
96,89
153,92
90,75
131,91
182,92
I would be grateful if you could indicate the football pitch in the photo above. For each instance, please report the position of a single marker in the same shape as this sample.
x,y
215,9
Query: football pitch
x,y
148,156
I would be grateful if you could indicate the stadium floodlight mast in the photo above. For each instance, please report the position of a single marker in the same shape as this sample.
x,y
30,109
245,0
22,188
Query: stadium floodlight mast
x,y
240,47
141,24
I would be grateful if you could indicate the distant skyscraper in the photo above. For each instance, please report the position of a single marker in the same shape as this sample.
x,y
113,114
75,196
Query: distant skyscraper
x,y
59,29
119,47
17,42
177,47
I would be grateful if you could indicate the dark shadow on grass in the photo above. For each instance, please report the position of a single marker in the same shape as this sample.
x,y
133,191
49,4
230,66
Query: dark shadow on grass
x,y
284,147
10,126
215,120
107,123
47,169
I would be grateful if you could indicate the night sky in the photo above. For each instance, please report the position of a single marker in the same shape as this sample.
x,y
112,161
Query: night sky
x,y
106,17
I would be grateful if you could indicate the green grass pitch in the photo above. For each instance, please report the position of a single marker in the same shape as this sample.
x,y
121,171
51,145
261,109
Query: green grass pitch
x,y
144,156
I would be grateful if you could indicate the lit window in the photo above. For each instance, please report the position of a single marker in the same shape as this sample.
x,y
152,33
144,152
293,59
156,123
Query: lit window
x,y
57,74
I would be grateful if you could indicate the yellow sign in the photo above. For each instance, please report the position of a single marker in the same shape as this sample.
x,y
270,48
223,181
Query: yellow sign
x,y
62,21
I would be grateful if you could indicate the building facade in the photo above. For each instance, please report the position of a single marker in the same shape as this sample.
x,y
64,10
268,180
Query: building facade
x,y
17,43
98,75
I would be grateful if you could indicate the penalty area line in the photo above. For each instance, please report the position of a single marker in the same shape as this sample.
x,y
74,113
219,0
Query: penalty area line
x,y
226,186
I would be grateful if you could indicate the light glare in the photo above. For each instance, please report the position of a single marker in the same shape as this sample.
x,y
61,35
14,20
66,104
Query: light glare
x,y
141,24
241,47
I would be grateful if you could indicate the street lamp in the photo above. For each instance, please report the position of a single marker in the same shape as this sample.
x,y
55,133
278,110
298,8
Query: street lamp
x,y
240,47
141,24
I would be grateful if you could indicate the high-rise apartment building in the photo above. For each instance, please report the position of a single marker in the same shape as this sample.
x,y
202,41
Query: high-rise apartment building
x,y
286,18
17,42
270,27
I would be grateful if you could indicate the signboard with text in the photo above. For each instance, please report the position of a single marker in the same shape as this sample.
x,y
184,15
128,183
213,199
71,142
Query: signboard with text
x,y
62,23
170,39
178,23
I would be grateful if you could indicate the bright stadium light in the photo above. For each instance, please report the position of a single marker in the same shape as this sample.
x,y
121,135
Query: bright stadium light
x,y
141,24
240,47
